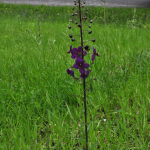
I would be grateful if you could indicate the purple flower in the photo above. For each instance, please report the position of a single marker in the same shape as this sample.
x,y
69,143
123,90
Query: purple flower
x,y
77,53
81,65
86,74
94,53
70,71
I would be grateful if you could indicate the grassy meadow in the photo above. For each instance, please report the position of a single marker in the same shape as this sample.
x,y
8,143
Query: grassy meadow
x,y
41,106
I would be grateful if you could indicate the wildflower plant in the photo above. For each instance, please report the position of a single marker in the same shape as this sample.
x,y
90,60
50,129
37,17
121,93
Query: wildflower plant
x,y
78,54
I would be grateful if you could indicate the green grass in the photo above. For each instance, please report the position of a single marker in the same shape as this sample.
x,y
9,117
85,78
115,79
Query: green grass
x,y
38,106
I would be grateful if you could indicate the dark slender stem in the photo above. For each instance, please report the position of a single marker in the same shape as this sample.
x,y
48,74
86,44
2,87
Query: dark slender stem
x,y
84,87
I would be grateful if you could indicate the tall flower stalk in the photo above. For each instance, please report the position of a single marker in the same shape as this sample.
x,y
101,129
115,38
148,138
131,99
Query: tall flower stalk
x,y
78,54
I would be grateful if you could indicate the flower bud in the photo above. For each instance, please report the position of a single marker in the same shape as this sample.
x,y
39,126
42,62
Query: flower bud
x,y
72,14
75,13
91,21
93,40
97,54
79,25
76,22
85,17
86,12
71,20
73,8
73,39
90,32
89,26
86,9
69,27
86,48
70,35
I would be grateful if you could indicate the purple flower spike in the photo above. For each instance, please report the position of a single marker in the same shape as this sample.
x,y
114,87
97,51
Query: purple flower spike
x,y
81,65
70,71
86,74
94,53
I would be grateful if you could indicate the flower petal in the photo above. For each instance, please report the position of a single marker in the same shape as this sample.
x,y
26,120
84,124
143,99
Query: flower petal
x,y
76,66
86,74
80,48
72,73
73,56
80,61
84,53
68,71
82,70
80,57
93,57
74,49
70,47
86,65
94,50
